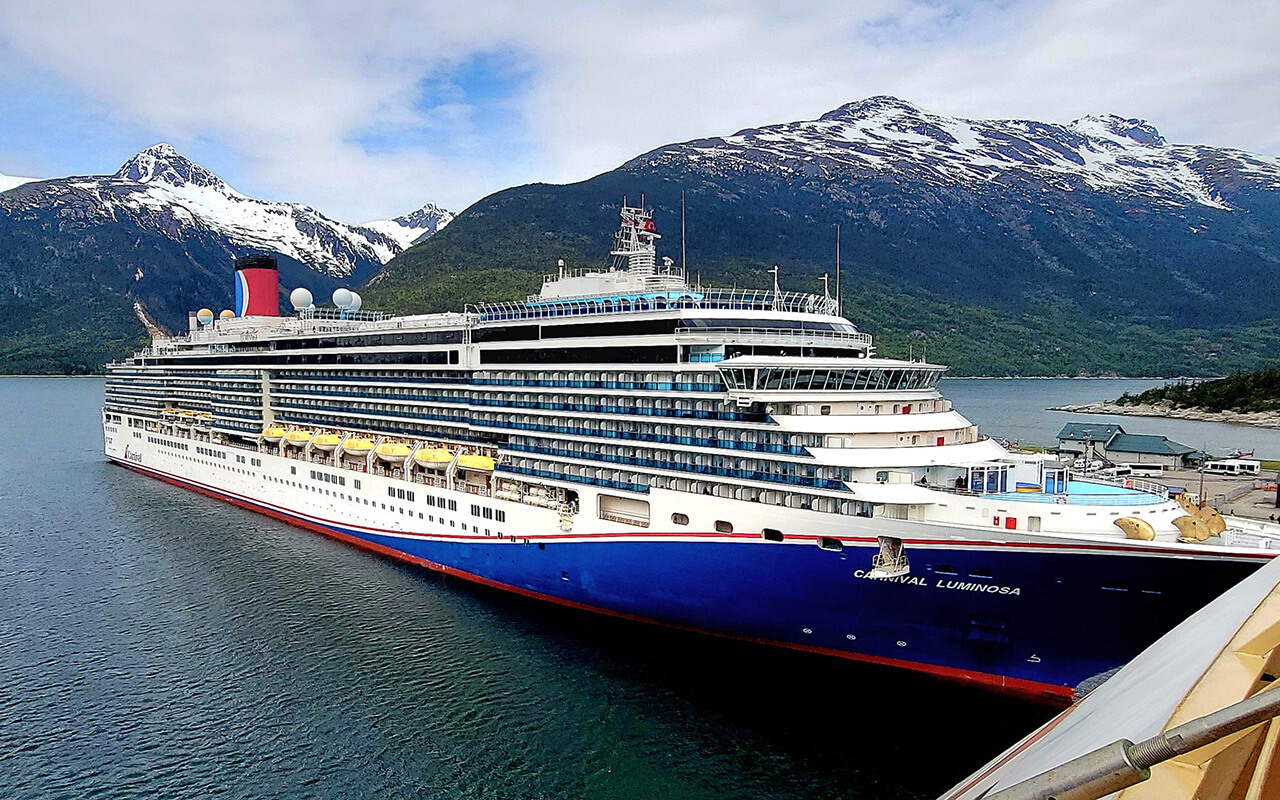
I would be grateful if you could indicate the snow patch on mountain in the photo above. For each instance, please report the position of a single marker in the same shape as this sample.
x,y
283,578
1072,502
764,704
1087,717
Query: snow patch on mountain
x,y
409,229
161,190
886,135
8,182
159,180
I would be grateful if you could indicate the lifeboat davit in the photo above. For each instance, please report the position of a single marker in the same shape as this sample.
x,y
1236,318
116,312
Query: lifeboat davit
x,y
357,446
477,463
298,438
326,441
393,452
272,433
433,457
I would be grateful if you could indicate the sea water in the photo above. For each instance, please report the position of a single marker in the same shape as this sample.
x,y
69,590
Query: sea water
x,y
158,643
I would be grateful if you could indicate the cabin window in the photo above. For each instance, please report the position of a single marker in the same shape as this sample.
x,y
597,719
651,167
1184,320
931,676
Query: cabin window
x,y
680,519
828,543
724,527
772,534
824,411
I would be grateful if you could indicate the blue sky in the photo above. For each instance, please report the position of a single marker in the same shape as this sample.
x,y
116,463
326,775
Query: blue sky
x,y
367,110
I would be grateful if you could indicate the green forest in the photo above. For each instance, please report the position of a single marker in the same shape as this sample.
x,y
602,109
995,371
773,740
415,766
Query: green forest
x,y
1243,392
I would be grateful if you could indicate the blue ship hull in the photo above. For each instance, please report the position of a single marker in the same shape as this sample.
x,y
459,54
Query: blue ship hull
x,y
1026,619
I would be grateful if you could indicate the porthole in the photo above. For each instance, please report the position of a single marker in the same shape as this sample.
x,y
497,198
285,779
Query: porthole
x,y
828,543
724,527
680,519
772,534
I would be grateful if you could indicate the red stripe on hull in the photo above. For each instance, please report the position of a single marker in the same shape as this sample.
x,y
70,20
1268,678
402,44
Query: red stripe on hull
x,y
1031,690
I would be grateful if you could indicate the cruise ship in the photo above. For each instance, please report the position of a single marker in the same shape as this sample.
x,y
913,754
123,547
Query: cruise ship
x,y
735,462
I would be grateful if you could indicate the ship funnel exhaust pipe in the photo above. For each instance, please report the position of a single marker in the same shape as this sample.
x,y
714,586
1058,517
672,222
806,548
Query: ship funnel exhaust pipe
x,y
257,286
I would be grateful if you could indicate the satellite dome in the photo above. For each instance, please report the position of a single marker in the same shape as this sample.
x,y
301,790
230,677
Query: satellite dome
x,y
342,298
300,298
356,302
227,314
204,316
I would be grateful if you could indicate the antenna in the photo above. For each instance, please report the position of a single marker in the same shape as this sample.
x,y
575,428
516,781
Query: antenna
x,y
682,261
826,286
838,303
774,272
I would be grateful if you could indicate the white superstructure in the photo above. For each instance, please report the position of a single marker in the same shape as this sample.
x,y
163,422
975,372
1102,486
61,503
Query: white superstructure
x,y
616,396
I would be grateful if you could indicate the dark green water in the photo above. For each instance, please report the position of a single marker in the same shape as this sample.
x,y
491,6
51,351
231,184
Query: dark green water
x,y
156,643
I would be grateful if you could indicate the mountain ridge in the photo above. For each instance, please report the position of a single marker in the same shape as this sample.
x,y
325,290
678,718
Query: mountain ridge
x,y
1009,246
164,231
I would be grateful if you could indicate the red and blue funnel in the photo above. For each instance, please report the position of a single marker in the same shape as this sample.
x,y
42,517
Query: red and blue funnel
x,y
257,287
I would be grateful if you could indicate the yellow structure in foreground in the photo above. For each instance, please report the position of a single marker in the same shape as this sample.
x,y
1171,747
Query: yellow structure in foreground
x,y
1223,654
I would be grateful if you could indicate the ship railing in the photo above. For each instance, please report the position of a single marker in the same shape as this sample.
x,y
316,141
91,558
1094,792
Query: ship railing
x,y
471,488
728,299
787,335
1136,484
626,519
962,491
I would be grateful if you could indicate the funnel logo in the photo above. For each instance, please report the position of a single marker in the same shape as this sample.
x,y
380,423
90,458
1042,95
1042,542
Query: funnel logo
x,y
242,294
257,287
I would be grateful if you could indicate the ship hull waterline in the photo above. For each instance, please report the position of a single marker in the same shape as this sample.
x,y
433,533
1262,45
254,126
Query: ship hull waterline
x,y
805,598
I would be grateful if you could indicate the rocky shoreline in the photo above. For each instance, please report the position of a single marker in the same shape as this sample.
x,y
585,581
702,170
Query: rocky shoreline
x,y
1259,419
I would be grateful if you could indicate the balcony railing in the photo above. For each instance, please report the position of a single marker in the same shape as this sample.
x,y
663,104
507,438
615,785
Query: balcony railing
x,y
789,336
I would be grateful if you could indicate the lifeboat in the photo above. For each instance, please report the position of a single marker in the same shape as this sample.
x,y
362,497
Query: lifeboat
x,y
393,452
357,446
326,442
298,438
272,433
477,463
433,457
185,419
204,419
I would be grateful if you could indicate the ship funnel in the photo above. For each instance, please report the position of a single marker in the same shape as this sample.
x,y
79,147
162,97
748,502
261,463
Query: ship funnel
x,y
257,286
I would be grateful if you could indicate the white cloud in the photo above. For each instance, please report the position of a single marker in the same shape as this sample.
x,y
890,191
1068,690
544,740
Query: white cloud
x,y
293,88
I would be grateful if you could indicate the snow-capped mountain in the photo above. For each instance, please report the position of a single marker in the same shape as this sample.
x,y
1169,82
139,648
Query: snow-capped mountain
x,y
410,229
77,253
8,182
892,137
179,196
1007,245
